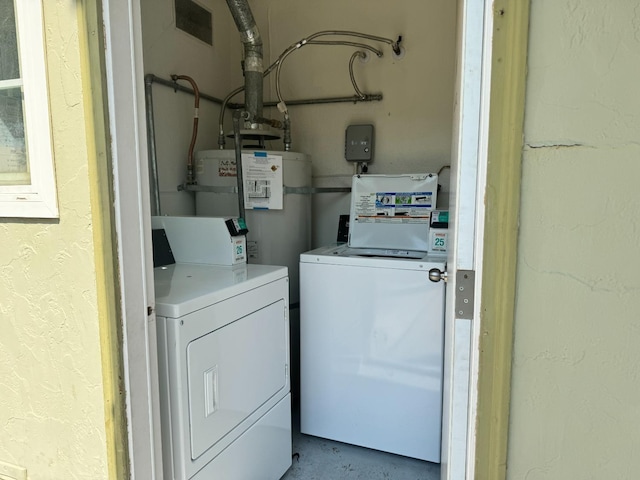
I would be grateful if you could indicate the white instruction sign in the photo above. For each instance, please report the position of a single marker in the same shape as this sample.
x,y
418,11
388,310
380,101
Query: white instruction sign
x,y
263,186
392,211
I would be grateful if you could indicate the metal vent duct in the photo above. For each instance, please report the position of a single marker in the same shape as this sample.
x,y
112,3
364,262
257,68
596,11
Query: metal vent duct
x,y
253,67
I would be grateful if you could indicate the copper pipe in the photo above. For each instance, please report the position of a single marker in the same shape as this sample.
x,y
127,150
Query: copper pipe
x,y
190,170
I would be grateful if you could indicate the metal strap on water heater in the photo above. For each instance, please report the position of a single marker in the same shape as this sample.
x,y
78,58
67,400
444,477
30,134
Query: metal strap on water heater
x,y
286,190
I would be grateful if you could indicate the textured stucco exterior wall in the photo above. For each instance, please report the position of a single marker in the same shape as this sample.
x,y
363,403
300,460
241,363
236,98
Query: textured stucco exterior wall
x,y
575,406
51,397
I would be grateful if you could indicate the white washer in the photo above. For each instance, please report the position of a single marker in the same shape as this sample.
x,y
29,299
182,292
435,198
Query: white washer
x,y
223,349
371,341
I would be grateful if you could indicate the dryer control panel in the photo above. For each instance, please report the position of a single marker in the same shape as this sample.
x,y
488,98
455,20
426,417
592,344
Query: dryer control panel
x,y
205,240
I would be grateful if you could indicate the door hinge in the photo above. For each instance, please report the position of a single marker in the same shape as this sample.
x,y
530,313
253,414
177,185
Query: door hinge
x,y
465,293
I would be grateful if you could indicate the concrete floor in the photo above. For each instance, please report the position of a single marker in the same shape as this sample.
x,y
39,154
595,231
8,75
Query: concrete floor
x,y
321,459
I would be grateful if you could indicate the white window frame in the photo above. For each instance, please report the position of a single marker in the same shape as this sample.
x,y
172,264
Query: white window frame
x,y
37,199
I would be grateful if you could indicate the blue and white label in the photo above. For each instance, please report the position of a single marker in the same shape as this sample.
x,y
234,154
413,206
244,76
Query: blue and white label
x,y
384,207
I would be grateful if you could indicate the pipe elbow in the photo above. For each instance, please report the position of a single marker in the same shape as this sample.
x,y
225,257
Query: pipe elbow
x,y
251,37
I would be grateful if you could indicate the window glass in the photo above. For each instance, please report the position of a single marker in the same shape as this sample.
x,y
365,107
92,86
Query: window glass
x,y
14,167
9,64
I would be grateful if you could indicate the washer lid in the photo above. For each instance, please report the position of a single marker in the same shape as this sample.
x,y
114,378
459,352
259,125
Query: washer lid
x,y
184,288
382,258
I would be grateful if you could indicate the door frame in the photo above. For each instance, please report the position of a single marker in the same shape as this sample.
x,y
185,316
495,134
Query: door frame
x,y
493,339
490,98
128,144
465,252
499,138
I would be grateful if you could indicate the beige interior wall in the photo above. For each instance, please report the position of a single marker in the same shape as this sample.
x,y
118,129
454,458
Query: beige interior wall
x,y
575,405
216,70
412,123
51,396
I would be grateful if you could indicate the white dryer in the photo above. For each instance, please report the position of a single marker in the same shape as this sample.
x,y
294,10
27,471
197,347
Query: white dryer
x,y
371,343
223,350
223,354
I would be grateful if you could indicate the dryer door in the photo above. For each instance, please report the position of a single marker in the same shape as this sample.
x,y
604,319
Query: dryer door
x,y
234,370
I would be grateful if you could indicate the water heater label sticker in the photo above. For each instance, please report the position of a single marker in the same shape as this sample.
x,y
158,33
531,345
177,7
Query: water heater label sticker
x,y
394,207
227,167
263,186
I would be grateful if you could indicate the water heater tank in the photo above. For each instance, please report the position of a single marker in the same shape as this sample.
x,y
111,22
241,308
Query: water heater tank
x,y
276,237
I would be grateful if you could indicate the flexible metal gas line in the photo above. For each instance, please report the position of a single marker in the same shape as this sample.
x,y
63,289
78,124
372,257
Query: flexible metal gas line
x,y
221,140
358,54
310,39
290,50
190,170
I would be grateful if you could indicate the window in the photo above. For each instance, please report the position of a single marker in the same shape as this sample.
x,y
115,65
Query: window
x,y
27,179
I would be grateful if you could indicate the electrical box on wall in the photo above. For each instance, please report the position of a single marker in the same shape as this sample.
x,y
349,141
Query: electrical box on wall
x,y
359,143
